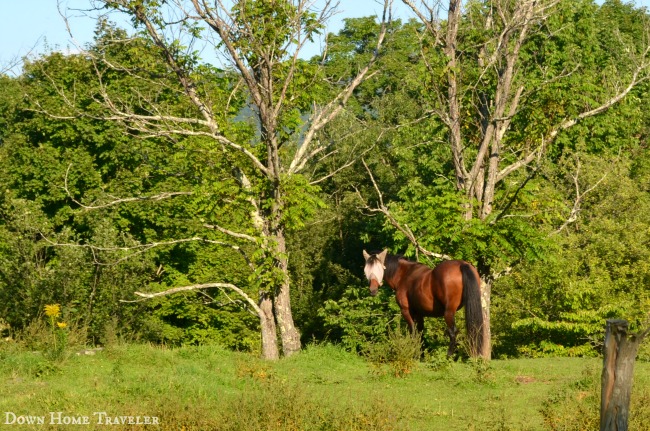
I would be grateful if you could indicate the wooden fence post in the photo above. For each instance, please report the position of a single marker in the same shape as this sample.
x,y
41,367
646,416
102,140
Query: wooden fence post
x,y
618,370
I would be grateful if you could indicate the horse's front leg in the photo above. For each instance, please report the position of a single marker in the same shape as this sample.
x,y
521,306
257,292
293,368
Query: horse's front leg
x,y
452,331
406,313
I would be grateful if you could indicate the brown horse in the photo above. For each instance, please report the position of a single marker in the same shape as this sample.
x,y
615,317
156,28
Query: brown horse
x,y
424,292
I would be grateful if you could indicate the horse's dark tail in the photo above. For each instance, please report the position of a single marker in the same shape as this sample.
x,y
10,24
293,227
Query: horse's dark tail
x,y
473,310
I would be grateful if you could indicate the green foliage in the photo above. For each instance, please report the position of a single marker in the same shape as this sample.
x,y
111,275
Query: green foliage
x,y
358,319
301,200
34,274
54,250
269,25
199,319
597,269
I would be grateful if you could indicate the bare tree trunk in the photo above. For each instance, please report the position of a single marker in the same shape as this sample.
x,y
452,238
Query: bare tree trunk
x,y
453,98
289,334
486,332
490,185
267,328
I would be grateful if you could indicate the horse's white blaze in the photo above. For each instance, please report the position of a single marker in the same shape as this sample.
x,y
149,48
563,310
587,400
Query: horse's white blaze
x,y
374,270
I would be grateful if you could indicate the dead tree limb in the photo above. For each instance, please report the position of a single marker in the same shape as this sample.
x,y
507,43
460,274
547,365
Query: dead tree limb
x,y
575,210
404,229
262,309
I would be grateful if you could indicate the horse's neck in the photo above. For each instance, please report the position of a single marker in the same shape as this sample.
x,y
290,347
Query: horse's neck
x,y
392,282
394,270
394,274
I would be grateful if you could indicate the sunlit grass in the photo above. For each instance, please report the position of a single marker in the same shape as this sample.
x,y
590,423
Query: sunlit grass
x,y
322,388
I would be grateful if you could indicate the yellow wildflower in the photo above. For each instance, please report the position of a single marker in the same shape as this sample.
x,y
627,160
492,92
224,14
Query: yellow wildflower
x,y
61,324
52,310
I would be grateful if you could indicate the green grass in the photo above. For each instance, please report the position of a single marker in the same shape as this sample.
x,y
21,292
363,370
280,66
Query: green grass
x,y
322,388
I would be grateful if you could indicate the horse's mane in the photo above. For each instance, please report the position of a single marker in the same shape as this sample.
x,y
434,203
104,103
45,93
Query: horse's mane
x,y
392,264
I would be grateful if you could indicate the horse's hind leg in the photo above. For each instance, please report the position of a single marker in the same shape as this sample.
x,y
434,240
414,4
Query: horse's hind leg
x,y
419,323
452,331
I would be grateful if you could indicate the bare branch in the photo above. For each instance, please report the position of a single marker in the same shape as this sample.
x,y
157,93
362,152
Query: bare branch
x,y
635,80
224,30
300,39
135,250
188,84
530,157
322,117
430,20
10,65
117,201
405,230
157,123
351,160
167,125
346,165
221,286
231,233
573,216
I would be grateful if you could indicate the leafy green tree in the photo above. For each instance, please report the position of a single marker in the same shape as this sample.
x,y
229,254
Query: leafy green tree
x,y
34,155
88,252
597,270
265,192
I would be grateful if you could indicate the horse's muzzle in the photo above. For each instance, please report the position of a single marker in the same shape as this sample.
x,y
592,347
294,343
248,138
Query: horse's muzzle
x,y
374,287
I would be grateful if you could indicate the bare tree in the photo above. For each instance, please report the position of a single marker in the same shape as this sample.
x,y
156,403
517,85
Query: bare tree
x,y
8,66
11,65
483,163
261,43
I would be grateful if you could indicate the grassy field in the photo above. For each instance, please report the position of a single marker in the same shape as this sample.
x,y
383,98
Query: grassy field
x,y
322,388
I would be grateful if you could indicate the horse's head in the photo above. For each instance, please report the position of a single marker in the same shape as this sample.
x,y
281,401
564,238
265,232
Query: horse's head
x,y
374,269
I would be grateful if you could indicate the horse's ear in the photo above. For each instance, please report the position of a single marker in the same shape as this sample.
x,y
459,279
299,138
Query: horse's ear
x,y
382,256
366,256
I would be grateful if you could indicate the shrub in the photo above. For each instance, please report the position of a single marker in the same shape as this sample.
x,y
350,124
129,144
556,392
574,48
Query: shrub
x,y
401,351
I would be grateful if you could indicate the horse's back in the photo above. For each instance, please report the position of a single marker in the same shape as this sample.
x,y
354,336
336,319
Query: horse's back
x,y
432,291
448,272
447,283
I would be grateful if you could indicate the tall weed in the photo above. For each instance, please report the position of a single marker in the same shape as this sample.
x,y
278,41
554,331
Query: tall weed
x,y
51,335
